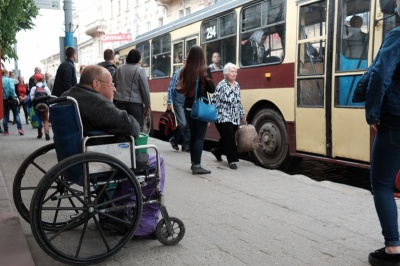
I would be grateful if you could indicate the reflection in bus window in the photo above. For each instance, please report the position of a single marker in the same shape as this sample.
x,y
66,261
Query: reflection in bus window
x,y
161,57
310,93
144,49
311,58
178,55
352,47
311,55
263,33
345,87
219,40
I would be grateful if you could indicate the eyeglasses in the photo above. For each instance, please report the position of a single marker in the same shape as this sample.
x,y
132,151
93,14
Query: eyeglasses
x,y
106,82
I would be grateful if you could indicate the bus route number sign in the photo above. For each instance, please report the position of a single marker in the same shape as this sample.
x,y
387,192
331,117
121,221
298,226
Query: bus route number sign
x,y
211,32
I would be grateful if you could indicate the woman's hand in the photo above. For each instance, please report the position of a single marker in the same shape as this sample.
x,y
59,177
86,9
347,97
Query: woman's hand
x,y
375,127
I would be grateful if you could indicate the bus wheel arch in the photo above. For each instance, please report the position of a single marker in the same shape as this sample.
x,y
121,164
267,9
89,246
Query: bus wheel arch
x,y
273,152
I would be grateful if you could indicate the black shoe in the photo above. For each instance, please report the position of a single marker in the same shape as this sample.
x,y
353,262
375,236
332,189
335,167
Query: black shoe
x,y
217,156
200,171
1,131
174,145
233,166
149,236
186,149
47,136
381,258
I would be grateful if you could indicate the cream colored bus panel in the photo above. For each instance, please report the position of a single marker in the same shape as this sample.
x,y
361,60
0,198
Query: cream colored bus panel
x,y
310,130
350,134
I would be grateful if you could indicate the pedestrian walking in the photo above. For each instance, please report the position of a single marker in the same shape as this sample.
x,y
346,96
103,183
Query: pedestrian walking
x,y
10,102
133,93
230,114
177,101
382,111
66,73
195,69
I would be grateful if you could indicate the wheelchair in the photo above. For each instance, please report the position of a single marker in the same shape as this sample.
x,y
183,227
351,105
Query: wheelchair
x,y
88,206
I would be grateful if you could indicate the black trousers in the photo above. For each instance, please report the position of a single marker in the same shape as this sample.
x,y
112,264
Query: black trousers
x,y
134,109
227,144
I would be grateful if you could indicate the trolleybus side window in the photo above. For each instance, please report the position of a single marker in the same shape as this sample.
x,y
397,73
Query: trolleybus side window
x,y
161,57
262,37
178,55
352,47
144,49
218,38
311,48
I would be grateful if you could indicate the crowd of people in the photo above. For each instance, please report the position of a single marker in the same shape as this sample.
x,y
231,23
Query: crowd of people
x,y
131,94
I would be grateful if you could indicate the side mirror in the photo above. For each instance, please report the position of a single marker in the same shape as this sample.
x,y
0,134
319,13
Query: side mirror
x,y
387,6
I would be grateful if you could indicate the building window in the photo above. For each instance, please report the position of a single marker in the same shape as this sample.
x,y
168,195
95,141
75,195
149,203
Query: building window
x,y
181,13
160,22
187,11
148,25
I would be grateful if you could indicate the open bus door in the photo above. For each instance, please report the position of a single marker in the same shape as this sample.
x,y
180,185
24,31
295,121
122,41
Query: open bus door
x,y
334,49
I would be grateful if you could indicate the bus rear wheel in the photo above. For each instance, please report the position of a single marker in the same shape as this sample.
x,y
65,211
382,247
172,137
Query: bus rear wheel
x,y
273,152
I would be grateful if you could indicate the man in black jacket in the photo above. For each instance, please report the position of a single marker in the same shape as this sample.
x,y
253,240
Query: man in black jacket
x,y
66,75
109,61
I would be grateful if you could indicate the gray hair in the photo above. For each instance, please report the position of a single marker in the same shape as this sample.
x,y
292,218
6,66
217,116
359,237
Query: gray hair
x,y
228,66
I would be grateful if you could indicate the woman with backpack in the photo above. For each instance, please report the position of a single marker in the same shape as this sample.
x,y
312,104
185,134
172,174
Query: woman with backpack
x,y
41,109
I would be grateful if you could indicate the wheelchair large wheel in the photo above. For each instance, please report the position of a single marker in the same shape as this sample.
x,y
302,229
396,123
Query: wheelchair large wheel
x,y
100,217
172,236
30,172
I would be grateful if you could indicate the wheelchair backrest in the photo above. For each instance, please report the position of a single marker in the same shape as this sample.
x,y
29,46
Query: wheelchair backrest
x,y
68,132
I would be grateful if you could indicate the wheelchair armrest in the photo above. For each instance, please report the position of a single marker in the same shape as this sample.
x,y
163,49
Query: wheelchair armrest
x,y
96,133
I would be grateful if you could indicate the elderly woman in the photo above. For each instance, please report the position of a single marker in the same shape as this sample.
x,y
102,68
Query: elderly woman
x,y
230,115
133,92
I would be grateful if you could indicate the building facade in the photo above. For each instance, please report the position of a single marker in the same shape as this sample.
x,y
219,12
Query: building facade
x,y
106,24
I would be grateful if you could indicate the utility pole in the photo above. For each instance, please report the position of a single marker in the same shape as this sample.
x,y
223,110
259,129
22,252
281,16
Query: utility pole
x,y
69,34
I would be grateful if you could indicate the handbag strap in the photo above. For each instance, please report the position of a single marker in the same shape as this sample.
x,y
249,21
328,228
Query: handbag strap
x,y
197,87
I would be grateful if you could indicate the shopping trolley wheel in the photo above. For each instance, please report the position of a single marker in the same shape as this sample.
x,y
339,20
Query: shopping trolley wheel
x,y
170,236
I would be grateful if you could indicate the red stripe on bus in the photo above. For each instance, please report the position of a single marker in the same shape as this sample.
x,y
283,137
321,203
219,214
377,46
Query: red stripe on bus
x,y
282,76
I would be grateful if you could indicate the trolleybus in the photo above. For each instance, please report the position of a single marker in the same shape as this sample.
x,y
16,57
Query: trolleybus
x,y
299,63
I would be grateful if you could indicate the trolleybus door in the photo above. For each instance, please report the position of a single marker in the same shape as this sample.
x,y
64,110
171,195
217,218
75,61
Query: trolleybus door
x,y
311,110
351,39
331,57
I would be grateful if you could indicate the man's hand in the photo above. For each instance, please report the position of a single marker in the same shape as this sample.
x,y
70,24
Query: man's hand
x,y
169,107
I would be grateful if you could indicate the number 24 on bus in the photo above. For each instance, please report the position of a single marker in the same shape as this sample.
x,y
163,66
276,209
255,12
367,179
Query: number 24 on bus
x,y
299,63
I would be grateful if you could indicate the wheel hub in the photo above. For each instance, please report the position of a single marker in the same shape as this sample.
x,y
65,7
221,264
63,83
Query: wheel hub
x,y
270,138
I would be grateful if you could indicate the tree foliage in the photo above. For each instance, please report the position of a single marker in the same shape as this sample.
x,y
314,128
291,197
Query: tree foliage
x,y
15,15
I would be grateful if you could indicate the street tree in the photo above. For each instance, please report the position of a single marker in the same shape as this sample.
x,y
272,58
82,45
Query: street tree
x,y
15,15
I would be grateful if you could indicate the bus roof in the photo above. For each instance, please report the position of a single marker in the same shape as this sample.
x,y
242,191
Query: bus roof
x,y
219,7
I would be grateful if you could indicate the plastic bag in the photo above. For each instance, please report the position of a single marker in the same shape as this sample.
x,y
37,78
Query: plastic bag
x,y
247,138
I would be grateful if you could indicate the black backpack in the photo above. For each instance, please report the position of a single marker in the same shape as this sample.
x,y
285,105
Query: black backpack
x,y
166,125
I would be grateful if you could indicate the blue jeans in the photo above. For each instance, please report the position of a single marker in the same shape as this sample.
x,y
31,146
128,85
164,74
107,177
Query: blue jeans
x,y
182,133
198,131
7,108
384,167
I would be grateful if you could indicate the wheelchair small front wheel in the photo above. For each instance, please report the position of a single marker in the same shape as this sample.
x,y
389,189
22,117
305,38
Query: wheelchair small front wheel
x,y
174,236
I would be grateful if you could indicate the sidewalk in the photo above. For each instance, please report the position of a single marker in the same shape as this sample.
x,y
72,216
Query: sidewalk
x,y
14,249
248,216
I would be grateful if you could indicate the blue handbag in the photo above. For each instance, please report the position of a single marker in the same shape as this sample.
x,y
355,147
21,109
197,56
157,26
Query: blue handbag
x,y
202,109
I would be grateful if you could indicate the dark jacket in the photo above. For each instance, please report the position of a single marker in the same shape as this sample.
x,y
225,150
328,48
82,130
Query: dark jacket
x,y
65,78
383,93
98,113
109,66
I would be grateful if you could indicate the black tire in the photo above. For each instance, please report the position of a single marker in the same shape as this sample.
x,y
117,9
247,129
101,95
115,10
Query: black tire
x,y
85,238
273,152
178,231
28,175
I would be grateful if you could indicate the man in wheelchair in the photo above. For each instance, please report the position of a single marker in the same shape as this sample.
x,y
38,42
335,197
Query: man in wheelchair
x,y
94,95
